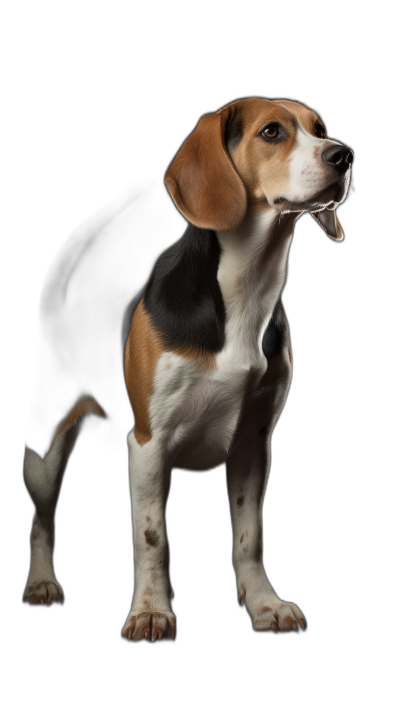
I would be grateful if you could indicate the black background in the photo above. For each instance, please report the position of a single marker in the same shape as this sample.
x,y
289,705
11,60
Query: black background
x,y
85,129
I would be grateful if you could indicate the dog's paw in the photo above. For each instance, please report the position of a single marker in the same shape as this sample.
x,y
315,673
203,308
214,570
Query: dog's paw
x,y
150,626
279,616
43,592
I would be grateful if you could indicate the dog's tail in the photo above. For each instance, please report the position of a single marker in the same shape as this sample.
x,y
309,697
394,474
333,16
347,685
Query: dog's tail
x,y
57,278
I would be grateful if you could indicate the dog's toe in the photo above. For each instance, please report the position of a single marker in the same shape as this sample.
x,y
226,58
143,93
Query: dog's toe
x,y
43,593
279,617
150,626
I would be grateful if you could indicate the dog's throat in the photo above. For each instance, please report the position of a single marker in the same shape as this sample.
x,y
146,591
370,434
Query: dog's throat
x,y
252,275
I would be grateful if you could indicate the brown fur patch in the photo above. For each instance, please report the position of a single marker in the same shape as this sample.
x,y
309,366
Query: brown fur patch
x,y
306,116
201,179
84,406
204,360
142,352
152,537
242,595
240,501
264,609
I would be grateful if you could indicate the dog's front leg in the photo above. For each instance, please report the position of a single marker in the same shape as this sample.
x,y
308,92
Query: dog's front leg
x,y
151,616
247,473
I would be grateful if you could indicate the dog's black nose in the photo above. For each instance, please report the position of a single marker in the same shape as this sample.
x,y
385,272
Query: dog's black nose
x,y
341,157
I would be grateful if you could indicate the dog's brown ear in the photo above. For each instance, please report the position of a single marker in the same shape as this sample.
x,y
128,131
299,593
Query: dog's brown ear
x,y
202,180
330,223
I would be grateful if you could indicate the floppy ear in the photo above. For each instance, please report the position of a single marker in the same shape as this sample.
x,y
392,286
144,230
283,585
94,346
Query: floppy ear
x,y
329,222
202,180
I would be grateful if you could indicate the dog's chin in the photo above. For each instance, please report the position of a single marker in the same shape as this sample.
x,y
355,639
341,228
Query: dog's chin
x,y
329,198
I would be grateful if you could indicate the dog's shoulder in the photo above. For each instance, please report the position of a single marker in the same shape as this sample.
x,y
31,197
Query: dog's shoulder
x,y
183,296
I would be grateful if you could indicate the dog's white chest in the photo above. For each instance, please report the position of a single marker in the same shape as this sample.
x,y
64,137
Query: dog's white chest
x,y
199,410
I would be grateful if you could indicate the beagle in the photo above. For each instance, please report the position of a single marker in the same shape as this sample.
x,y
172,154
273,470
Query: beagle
x,y
207,353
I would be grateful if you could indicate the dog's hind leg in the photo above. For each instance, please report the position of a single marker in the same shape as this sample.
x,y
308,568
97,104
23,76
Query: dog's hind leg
x,y
43,478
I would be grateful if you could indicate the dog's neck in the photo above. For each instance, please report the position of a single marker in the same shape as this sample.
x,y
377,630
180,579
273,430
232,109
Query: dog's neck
x,y
252,273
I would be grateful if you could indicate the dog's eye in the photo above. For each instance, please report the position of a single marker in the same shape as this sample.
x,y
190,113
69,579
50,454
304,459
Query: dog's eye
x,y
320,132
272,131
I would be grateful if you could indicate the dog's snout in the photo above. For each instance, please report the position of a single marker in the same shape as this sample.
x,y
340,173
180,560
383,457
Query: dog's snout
x,y
340,157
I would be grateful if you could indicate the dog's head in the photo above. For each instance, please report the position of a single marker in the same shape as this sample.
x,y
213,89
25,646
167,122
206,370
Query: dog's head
x,y
262,154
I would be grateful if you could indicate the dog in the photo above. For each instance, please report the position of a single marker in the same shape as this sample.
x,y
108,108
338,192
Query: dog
x,y
206,349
